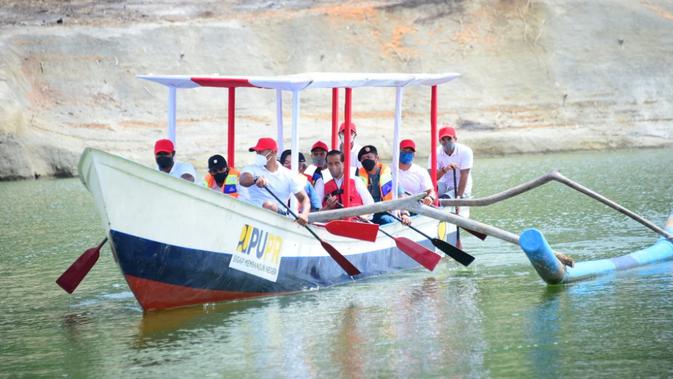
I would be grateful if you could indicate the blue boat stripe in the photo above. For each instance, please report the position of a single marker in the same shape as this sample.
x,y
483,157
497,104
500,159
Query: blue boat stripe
x,y
200,269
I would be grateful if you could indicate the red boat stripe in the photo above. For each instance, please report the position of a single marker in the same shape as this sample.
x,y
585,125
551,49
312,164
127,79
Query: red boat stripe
x,y
222,82
156,295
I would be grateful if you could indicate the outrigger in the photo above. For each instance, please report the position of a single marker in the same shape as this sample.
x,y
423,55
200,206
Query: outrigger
x,y
172,255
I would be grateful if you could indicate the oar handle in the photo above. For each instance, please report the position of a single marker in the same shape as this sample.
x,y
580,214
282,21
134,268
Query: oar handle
x,y
102,243
290,212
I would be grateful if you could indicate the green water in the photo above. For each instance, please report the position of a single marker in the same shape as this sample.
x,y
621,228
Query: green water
x,y
493,319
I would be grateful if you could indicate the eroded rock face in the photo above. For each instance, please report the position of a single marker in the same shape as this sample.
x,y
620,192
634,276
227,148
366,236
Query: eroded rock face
x,y
536,76
14,162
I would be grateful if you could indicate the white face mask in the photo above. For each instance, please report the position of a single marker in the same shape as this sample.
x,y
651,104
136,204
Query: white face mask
x,y
260,160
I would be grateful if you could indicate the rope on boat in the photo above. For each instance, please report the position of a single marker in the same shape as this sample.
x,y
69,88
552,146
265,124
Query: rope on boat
x,y
554,176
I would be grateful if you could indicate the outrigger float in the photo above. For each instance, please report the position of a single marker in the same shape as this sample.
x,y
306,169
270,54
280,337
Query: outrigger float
x,y
180,244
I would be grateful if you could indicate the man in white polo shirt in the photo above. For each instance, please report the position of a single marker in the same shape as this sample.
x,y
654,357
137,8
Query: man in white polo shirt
x,y
453,157
413,178
266,171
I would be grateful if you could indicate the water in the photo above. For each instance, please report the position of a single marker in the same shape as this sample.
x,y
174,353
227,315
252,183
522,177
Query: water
x,y
494,319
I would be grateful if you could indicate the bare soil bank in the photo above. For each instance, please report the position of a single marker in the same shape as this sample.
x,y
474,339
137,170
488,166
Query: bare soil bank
x,y
537,76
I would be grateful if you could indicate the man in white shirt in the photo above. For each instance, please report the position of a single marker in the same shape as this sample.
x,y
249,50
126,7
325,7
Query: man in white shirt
x,y
266,171
164,155
453,157
412,177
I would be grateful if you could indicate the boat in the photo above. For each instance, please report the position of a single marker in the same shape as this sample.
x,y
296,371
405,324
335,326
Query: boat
x,y
179,244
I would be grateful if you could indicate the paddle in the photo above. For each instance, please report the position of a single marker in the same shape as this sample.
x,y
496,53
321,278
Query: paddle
x,y
460,256
455,195
71,278
357,230
334,253
415,251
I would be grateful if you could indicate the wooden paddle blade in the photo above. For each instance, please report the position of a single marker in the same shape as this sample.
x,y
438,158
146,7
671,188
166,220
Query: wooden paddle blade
x,y
340,259
418,252
71,278
358,230
479,235
460,256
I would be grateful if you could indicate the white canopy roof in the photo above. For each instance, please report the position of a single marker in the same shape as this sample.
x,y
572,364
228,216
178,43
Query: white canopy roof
x,y
299,82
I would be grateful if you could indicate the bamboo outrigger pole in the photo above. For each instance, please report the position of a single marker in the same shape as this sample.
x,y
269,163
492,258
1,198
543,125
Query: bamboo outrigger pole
x,y
555,176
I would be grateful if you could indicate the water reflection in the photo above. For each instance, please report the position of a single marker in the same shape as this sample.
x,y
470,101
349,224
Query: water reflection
x,y
494,319
545,330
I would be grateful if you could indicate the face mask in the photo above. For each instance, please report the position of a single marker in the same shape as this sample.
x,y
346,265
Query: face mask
x,y
368,164
318,161
406,157
220,177
448,146
164,162
260,160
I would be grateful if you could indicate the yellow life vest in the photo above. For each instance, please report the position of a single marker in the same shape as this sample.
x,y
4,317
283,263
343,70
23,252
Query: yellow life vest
x,y
385,180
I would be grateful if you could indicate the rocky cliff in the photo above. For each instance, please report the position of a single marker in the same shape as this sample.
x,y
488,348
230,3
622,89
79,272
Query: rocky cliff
x,y
537,76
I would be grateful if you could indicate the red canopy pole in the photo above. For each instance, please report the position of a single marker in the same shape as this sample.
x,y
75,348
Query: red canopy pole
x,y
433,138
231,118
335,117
347,149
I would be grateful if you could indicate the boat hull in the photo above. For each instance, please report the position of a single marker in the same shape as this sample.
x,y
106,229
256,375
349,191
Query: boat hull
x,y
179,244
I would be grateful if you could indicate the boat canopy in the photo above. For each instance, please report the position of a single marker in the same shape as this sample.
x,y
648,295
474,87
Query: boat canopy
x,y
300,82
319,80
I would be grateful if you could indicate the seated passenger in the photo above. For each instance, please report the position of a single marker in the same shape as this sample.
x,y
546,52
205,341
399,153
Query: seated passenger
x,y
220,177
286,160
413,178
164,155
379,181
333,189
318,167
266,172
354,147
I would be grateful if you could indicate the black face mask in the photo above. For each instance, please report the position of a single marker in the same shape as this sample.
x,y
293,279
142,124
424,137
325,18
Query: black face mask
x,y
220,176
164,162
368,164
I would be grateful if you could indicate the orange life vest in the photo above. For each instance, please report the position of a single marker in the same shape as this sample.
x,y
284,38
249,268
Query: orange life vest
x,y
229,185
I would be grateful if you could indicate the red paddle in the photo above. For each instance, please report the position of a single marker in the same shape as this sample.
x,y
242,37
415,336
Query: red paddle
x,y
345,264
416,251
357,230
71,278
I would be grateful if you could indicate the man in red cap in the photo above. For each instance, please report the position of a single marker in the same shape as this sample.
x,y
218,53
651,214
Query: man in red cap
x,y
266,171
354,147
317,171
413,178
453,157
164,155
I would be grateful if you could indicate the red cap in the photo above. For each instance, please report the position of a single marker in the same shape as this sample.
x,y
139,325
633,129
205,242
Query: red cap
x,y
163,146
343,127
265,144
319,145
407,143
447,131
